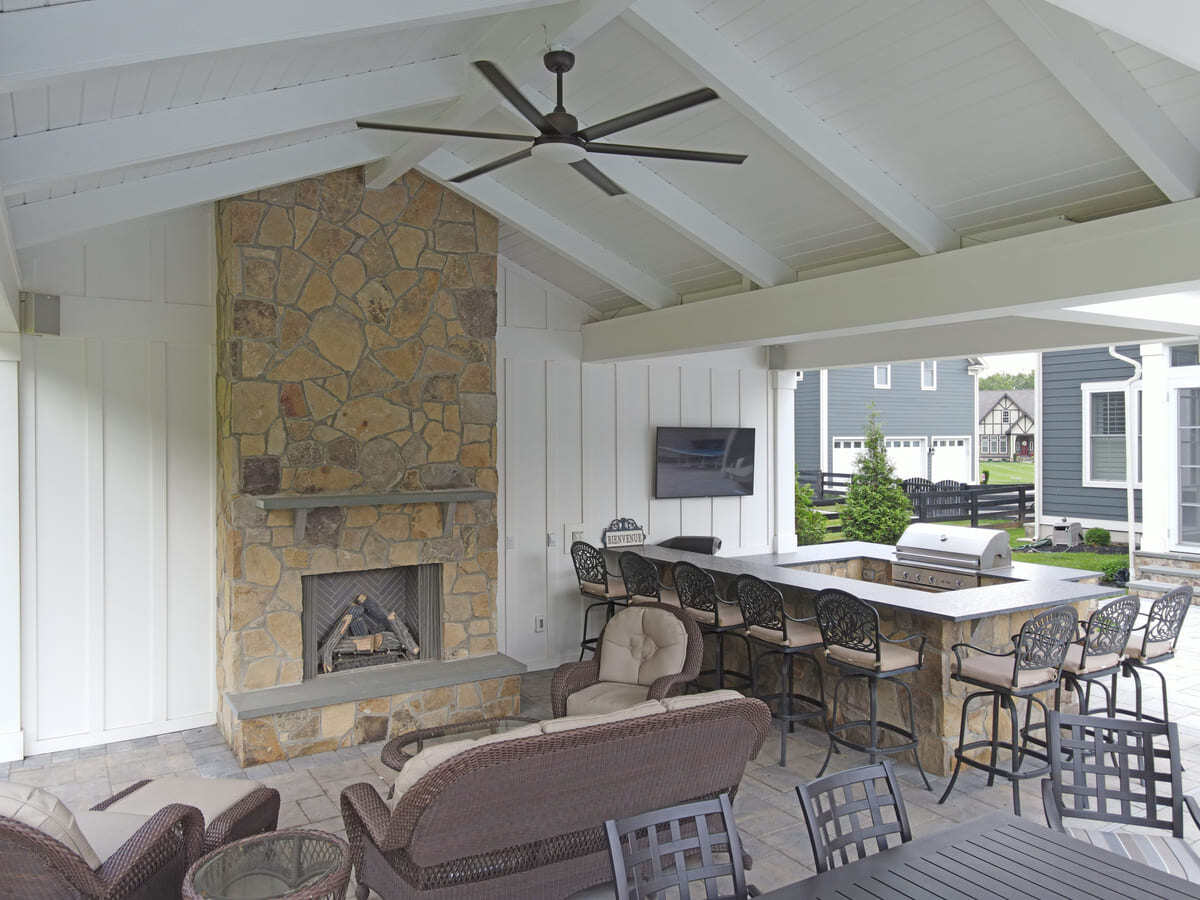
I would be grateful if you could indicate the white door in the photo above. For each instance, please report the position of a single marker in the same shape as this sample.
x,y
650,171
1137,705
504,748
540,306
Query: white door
x,y
908,456
951,459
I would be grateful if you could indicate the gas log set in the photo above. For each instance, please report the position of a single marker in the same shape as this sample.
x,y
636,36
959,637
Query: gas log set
x,y
364,632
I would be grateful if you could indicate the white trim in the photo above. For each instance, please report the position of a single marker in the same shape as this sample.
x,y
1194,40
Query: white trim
x,y
887,384
824,417
1087,388
924,363
1173,530
107,736
1037,442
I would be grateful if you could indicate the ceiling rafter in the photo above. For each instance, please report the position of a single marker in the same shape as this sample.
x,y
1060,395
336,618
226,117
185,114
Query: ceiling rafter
x,y
582,250
41,45
516,45
46,157
1080,60
675,29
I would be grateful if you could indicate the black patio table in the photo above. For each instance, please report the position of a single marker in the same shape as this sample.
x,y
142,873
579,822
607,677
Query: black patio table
x,y
994,858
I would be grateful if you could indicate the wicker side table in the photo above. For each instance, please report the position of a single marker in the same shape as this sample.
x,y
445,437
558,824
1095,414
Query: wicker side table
x,y
294,863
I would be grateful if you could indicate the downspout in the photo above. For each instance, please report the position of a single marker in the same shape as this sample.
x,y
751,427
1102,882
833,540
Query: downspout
x,y
1130,450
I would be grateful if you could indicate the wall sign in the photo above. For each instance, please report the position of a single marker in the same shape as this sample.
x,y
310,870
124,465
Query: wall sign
x,y
623,533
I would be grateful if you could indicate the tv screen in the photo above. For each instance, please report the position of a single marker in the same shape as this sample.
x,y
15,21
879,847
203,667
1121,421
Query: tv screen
x,y
704,462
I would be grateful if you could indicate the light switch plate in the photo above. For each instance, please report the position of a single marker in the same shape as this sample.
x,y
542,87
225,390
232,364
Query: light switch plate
x,y
572,531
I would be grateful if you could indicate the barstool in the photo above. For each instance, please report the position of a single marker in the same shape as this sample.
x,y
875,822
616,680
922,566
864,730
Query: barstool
x,y
698,594
1154,642
643,582
778,634
595,581
854,646
1032,666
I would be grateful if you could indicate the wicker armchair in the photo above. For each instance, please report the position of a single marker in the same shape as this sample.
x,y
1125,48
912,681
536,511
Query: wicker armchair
x,y
613,678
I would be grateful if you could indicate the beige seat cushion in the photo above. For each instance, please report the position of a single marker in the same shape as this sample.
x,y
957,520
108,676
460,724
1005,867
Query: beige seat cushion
x,y
1155,648
107,831
570,722
1167,854
891,657
730,614
212,796
640,644
605,697
40,809
435,754
799,634
665,595
998,671
1095,663
687,701
616,588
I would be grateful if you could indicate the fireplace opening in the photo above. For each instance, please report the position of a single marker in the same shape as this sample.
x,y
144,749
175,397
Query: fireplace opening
x,y
352,620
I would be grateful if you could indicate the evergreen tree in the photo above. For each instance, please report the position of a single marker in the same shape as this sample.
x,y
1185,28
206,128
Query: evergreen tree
x,y
810,524
876,507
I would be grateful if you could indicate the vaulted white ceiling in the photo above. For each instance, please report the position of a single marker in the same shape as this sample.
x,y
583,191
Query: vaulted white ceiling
x,y
876,131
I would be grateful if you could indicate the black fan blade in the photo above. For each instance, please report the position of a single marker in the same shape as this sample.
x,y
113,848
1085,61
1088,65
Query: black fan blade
x,y
646,114
510,93
667,153
495,164
452,132
598,178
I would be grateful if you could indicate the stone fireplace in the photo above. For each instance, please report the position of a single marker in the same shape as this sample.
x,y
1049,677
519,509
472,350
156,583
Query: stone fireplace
x,y
356,416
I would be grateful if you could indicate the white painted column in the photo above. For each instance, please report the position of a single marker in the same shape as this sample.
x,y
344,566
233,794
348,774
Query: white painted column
x,y
783,460
1157,508
11,736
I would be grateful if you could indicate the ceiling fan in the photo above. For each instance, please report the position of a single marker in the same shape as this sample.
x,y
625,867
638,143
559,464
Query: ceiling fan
x,y
560,139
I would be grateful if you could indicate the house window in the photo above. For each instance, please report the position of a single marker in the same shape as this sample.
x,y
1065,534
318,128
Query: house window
x,y
994,444
929,375
1005,417
1185,355
883,377
1104,422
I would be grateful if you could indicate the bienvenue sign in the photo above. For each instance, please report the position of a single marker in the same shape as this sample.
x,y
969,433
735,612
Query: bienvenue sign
x,y
623,533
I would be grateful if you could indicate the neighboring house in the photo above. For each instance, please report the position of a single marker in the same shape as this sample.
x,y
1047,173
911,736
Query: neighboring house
x,y
1006,429
927,411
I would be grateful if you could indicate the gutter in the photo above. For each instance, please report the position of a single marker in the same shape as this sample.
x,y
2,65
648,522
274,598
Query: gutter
x,y
1130,450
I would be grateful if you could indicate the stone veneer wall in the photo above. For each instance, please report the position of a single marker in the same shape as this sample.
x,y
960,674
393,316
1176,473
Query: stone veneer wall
x,y
356,352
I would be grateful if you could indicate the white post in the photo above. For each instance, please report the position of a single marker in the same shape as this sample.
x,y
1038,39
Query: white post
x,y
783,460
11,737
1156,448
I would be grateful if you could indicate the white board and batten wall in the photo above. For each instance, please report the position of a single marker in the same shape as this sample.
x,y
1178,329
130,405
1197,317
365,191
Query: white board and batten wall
x,y
577,450
118,486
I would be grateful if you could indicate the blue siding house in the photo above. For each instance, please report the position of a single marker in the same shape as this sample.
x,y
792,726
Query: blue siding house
x,y
927,410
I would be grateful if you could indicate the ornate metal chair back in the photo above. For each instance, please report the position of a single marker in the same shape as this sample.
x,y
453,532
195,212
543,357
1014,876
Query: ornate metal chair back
x,y
857,812
1045,639
1167,613
640,575
589,564
761,603
696,588
846,621
1108,627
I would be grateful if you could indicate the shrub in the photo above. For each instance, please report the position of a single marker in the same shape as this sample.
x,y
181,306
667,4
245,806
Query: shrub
x,y
810,524
876,507
1115,571
1097,537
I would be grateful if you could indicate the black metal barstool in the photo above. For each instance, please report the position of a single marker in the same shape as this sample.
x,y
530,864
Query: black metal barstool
x,y
643,581
1151,643
595,581
856,648
778,634
698,594
1033,665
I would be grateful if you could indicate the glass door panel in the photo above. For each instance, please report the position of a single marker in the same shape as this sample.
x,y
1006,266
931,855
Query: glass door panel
x,y
1189,465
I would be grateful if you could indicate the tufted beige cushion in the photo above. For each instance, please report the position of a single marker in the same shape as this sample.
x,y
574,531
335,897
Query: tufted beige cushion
x,y
107,831
569,723
212,796
687,701
640,644
605,697
42,810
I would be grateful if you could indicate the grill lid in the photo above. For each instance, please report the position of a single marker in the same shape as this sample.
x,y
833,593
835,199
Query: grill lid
x,y
929,543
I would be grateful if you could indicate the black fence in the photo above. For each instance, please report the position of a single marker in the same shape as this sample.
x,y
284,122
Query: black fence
x,y
943,501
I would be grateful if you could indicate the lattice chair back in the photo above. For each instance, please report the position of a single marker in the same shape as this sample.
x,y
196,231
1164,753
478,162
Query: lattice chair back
x,y
1115,770
589,564
667,851
1044,641
641,577
761,603
696,588
1165,621
1108,628
846,621
853,814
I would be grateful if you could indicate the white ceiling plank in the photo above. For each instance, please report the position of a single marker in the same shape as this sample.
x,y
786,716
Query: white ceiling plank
x,y
516,45
111,144
505,204
1085,65
676,30
76,38
1151,251
1172,27
49,219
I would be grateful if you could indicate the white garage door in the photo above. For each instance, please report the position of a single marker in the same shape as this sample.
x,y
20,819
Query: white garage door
x,y
951,459
845,452
907,455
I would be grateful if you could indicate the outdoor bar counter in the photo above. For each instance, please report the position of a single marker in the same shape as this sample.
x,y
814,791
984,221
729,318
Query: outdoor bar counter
x,y
987,616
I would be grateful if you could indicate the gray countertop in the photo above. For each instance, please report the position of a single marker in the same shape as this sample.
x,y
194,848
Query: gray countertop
x,y
1033,586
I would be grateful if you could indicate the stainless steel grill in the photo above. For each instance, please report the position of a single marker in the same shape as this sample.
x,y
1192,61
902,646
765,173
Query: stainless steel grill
x,y
936,557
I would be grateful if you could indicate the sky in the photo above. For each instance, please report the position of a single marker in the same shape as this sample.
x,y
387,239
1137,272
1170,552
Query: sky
x,y
1009,362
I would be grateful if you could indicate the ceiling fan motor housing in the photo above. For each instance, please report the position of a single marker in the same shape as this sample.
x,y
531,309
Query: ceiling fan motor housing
x,y
559,61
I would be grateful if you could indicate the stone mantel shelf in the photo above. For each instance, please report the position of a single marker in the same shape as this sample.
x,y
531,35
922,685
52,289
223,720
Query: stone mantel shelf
x,y
302,503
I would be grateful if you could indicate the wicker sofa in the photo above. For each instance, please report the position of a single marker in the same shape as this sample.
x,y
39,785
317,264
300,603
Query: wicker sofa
x,y
523,815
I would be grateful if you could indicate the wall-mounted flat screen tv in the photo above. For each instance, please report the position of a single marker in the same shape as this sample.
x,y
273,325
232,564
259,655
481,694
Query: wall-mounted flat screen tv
x,y
704,462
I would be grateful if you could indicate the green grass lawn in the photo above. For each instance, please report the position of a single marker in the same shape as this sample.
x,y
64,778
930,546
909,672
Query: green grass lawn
x,y
1008,472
